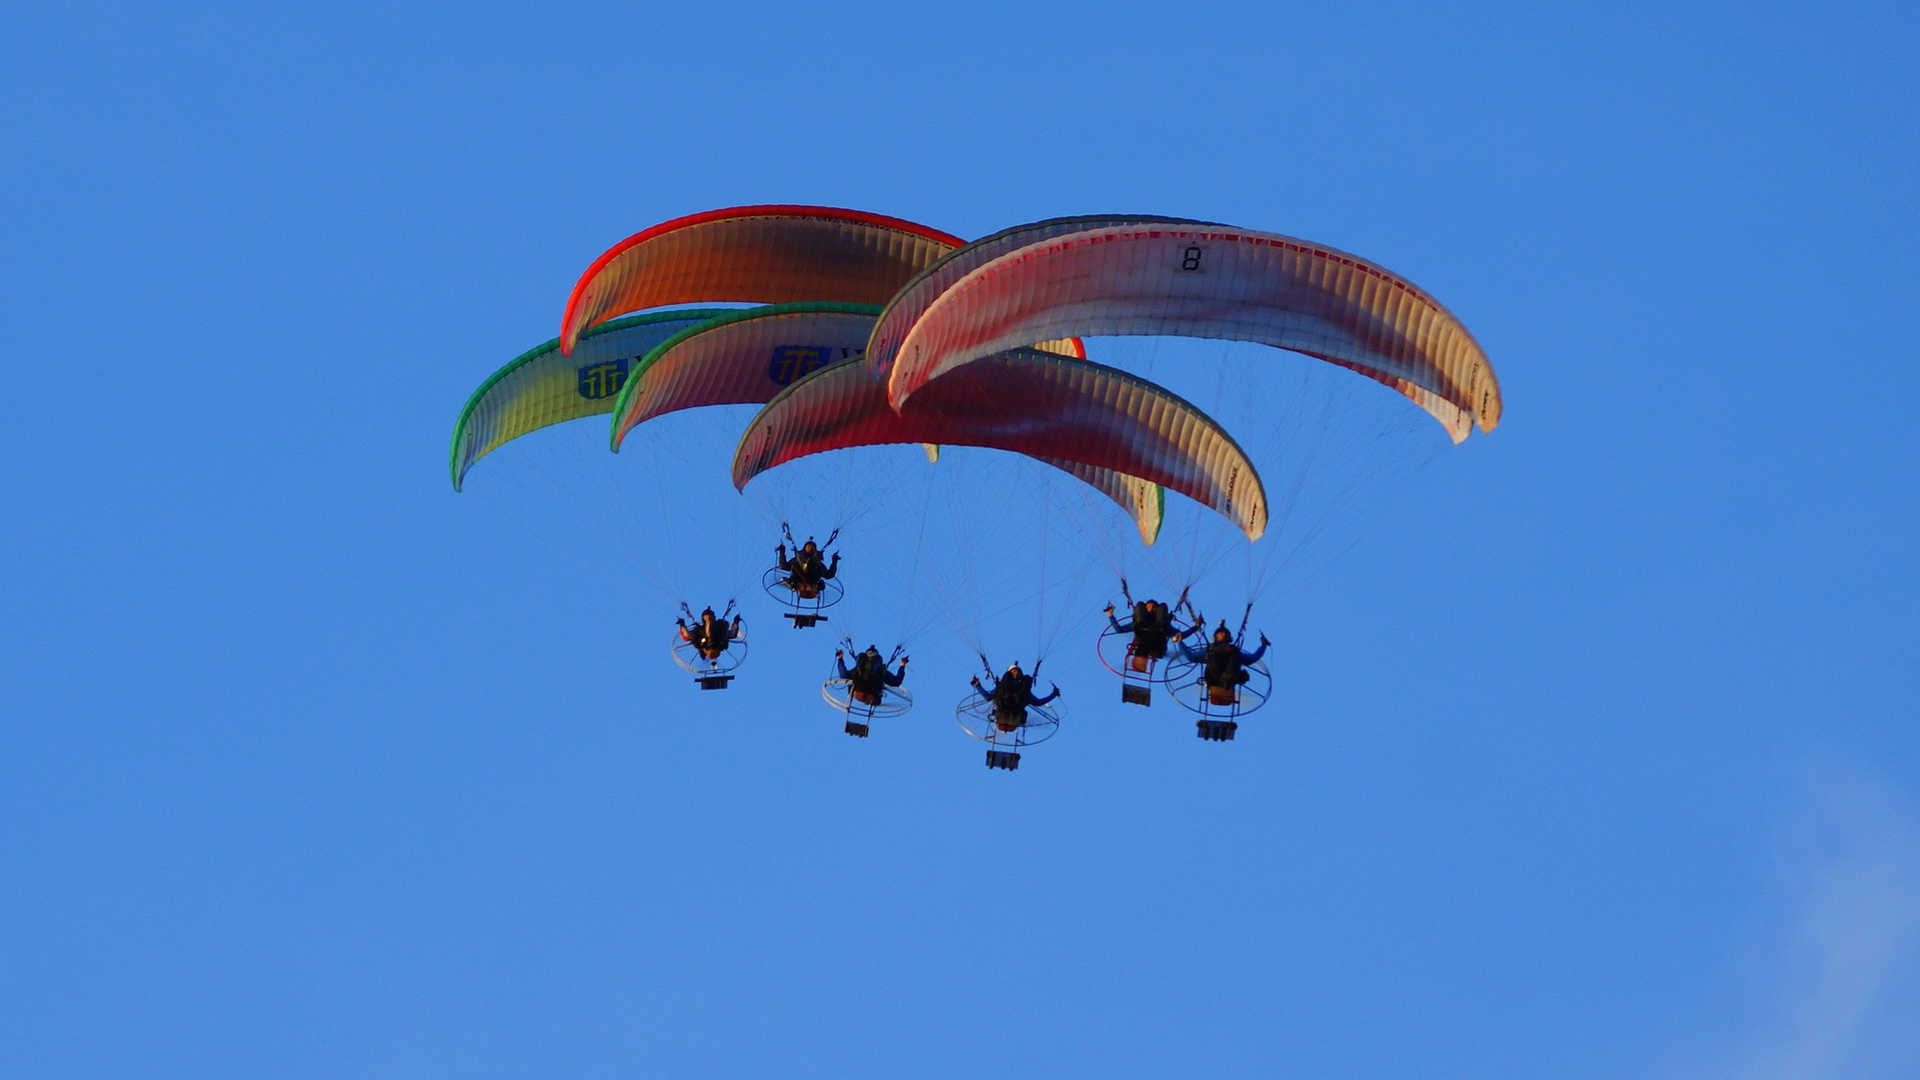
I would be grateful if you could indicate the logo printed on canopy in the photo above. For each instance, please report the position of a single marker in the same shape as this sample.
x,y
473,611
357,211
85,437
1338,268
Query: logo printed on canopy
x,y
603,379
789,362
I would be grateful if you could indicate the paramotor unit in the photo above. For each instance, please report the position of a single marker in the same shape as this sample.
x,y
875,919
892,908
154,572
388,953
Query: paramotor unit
x,y
711,647
866,691
1007,716
1137,647
805,582
1219,681
1219,707
976,716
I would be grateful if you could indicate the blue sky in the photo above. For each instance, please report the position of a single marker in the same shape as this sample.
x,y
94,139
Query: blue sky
x,y
1594,749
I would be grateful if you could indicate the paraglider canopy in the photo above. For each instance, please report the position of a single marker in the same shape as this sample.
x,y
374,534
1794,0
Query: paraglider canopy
x,y
1206,282
754,254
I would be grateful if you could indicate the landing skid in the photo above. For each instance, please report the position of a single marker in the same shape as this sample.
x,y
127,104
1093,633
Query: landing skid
x,y
1215,730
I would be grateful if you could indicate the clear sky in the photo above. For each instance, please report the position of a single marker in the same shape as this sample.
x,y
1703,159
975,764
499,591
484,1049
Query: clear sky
x,y
1594,752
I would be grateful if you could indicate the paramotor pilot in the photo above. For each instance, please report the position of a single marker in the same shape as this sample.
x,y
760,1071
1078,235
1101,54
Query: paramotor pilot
x,y
1012,695
868,678
711,634
1151,625
1226,663
807,569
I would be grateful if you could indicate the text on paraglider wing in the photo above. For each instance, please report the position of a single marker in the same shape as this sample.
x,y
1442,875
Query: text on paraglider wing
x,y
603,379
789,362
